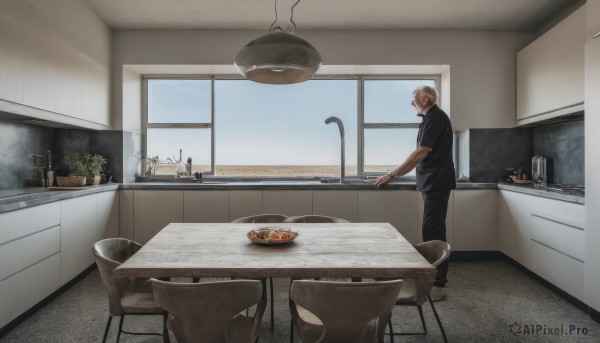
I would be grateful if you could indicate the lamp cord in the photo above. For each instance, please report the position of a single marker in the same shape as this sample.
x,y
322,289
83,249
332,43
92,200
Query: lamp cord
x,y
273,28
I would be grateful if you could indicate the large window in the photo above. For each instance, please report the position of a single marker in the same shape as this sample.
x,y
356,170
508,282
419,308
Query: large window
x,y
238,127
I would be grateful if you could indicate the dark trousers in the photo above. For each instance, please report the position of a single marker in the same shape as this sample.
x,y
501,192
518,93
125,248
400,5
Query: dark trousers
x,y
434,225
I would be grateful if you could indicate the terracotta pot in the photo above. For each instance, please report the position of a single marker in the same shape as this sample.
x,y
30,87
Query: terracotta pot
x,y
93,180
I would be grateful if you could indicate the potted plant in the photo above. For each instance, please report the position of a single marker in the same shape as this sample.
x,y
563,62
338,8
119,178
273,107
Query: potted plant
x,y
86,164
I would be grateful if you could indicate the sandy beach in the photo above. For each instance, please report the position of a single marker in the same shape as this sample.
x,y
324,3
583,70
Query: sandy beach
x,y
297,170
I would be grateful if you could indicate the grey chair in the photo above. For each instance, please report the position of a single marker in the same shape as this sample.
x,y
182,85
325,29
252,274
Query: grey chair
x,y
313,218
265,218
126,296
324,311
262,218
414,293
212,311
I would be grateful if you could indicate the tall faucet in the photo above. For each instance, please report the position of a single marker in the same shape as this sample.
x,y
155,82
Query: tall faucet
x,y
338,121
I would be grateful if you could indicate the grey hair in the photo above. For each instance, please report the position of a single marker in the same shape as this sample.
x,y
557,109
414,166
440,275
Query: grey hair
x,y
429,92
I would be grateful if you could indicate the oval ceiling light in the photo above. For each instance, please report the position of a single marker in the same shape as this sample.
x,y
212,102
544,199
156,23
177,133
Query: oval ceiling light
x,y
278,57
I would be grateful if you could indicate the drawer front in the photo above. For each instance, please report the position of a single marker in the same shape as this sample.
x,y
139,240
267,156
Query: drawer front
x,y
22,291
22,253
24,222
559,269
567,239
560,211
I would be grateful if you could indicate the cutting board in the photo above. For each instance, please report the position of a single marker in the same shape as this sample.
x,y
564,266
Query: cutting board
x,y
54,188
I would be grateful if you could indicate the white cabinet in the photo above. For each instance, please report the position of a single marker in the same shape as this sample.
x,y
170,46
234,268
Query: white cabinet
x,y
289,203
10,51
153,210
108,214
95,89
475,220
79,232
550,72
29,252
546,236
513,234
397,207
206,206
245,203
51,69
339,204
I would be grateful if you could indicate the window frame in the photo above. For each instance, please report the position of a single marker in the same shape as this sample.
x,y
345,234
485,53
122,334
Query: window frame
x,y
361,125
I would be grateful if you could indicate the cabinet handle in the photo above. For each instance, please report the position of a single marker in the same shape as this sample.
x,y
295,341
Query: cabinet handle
x,y
596,35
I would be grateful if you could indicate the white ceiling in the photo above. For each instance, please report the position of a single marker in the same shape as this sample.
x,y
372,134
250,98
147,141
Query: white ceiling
x,y
505,15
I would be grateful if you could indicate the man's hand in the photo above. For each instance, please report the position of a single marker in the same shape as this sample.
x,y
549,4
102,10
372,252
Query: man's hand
x,y
382,180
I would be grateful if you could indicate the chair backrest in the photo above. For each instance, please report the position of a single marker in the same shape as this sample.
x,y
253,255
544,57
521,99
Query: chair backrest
x,y
349,311
435,252
313,218
210,311
109,254
262,218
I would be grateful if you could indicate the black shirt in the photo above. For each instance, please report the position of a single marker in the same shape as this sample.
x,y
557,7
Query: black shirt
x,y
436,171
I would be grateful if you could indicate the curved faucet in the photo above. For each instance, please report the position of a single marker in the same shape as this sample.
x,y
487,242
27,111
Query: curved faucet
x,y
338,121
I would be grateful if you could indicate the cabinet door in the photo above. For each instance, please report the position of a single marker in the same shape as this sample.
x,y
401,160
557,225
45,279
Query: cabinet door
x,y
10,52
475,220
339,204
153,210
397,207
51,69
514,236
126,213
245,203
289,203
449,216
94,91
550,71
206,206
79,232
108,214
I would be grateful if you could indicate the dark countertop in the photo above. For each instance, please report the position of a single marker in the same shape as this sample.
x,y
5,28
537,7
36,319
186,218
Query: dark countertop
x,y
11,200
529,189
16,199
288,185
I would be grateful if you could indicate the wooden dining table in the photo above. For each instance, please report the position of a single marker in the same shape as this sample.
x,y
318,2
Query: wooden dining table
x,y
336,250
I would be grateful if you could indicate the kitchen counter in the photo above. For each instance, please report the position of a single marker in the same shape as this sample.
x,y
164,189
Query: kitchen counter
x,y
288,185
16,199
529,189
11,200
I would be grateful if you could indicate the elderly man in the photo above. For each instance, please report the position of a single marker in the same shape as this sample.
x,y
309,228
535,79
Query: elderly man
x,y
435,172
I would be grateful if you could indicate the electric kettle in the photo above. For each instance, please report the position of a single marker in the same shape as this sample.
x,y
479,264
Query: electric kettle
x,y
539,172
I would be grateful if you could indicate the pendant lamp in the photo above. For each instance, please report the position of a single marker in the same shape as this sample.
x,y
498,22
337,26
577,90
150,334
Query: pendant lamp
x,y
278,57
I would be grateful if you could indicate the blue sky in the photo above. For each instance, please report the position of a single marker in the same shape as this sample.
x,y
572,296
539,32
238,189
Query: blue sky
x,y
257,124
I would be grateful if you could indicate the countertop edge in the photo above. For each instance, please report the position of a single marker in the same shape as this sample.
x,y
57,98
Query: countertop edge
x,y
18,202
526,189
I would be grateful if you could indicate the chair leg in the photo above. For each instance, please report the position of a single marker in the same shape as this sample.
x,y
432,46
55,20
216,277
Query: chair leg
x,y
120,327
391,330
106,330
420,308
438,319
166,338
272,306
292,331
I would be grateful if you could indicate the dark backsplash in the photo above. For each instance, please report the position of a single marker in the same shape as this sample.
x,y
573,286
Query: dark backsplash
x,y
19,140
493,151
564,146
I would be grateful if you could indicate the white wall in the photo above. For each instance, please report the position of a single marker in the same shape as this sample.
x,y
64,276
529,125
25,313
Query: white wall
x,y
592,151
482,64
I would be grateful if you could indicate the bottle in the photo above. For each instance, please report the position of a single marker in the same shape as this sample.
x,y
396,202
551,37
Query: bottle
x,y
49,171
